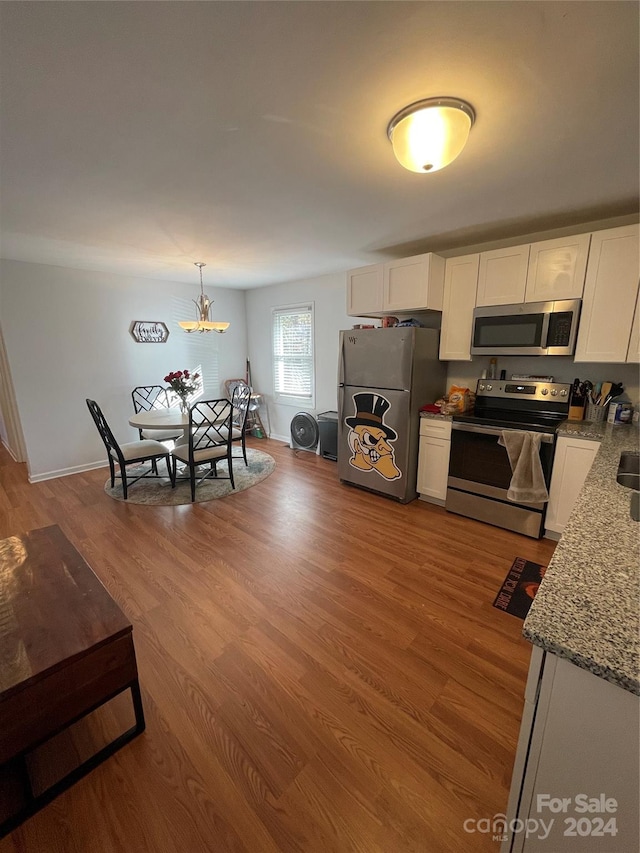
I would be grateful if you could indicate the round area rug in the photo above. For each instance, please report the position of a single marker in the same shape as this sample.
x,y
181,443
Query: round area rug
x,y
159,492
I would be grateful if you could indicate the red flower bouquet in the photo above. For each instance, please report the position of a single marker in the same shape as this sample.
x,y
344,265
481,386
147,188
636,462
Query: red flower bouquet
x,y
183,384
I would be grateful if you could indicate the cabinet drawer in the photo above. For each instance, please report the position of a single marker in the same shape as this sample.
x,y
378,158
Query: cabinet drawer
x,y
435,428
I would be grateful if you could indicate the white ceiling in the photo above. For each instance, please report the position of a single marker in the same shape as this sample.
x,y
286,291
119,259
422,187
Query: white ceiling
x,y
139,137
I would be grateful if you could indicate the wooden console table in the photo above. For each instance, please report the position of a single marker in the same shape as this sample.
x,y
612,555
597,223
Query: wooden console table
x,y
66,648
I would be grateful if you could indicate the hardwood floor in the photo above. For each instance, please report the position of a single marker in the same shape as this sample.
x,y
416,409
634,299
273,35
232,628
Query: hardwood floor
x,y
321,668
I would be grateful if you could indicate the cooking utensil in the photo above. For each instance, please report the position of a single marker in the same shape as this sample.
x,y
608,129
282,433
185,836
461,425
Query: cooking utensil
x,y
604,393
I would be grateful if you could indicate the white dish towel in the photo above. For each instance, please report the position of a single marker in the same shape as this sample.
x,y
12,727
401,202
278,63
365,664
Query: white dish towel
x,y
527,481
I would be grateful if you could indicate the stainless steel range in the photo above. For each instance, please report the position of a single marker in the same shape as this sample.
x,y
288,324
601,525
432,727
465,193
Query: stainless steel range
x,y
479,469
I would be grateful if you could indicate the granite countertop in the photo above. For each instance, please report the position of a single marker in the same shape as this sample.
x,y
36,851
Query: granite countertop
x,y
588,606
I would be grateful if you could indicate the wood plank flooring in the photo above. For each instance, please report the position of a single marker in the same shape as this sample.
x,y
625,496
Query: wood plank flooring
x,y
321,668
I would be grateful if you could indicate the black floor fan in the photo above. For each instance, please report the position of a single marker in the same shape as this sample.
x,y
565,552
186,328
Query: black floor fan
x,y
304,432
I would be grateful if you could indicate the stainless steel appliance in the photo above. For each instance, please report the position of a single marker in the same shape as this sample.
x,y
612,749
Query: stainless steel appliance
x,y
384,377
528,328
479,469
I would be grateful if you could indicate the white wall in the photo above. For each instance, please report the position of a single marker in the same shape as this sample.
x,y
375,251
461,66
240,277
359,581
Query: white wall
x,y
67,337
328,293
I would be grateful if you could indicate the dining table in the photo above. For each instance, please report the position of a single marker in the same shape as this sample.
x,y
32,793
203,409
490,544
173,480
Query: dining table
x,y
163,419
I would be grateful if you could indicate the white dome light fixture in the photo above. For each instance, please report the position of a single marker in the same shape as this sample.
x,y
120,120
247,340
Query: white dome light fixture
x,y
203,304
429,134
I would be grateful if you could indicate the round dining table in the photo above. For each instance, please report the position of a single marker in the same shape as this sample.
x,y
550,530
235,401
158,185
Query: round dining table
x,y
163,419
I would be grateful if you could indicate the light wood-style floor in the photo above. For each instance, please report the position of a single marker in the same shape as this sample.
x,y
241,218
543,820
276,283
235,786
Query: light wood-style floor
x,y
321,668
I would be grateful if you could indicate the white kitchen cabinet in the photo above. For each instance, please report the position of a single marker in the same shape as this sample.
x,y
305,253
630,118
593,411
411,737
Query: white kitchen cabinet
x,y
579,740
557,269
502,276
364,290
408,284
571,464
460,284
433,459
633,354
610,296
414,284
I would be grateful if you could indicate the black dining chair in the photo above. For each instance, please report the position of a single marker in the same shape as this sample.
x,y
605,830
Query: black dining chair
x,y
146,398
240,399
210,425
131,453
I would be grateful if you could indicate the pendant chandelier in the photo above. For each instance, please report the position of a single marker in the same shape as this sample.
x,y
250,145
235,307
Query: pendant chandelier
x,y
203,305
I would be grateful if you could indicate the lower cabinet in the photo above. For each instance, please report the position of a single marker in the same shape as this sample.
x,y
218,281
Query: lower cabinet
x,y
433,459
572,463
575,784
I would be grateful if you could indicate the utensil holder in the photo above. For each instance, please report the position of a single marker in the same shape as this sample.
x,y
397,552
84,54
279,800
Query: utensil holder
x,y
595,414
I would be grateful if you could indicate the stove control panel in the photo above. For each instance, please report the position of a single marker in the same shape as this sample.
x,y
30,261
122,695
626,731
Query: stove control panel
x,y
523,390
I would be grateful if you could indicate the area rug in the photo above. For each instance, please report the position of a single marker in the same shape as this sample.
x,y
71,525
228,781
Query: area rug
x,y
519,587
159,492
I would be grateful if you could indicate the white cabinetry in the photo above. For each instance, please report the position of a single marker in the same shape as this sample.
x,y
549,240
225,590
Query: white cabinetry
x,y
364,290
433,459
460,283
536,272
502,276
634,343
572,462
409,284
579,739
414,284
610,296
557,269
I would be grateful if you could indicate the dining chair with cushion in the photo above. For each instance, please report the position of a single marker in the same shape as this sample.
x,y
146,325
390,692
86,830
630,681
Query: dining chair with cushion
x,y
146,398
240,399
210,426
131,453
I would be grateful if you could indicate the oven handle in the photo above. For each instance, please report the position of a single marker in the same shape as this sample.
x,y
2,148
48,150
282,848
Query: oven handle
x,y
545,437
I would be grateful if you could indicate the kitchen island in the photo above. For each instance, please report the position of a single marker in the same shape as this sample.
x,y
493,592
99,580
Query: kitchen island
x,y
576,777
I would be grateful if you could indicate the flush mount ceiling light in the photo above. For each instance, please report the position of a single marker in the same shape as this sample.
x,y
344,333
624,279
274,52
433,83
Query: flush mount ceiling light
x,y
428,135
203,304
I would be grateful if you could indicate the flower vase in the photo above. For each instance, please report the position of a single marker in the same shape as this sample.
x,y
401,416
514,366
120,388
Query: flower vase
x,y
184,406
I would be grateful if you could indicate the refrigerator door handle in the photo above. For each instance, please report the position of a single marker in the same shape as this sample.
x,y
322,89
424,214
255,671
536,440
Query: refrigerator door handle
x,y
341,361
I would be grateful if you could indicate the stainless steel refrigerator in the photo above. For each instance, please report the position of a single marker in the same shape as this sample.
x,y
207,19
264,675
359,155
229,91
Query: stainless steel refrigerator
x,y
384,377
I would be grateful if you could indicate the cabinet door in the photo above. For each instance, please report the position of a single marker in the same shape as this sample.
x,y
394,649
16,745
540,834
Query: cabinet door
x,y
634,344
433,467
460,283
610,294
502,277
573,460
557,269
364,291
584,744
414,284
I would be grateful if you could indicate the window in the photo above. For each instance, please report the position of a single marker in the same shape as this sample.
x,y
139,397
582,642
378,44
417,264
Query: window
x,y
293,374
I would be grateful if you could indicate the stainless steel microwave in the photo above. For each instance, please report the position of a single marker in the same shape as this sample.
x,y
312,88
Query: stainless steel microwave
x,y
528,328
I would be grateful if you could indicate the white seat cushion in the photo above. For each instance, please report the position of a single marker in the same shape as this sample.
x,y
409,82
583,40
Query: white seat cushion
x,y
140,449
161,434
182,452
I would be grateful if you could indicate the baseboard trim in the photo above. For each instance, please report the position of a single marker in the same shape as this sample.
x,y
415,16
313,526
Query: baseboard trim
x,y
66,472
9,450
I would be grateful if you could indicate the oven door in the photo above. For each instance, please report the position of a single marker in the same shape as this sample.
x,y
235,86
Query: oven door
x,y
480,475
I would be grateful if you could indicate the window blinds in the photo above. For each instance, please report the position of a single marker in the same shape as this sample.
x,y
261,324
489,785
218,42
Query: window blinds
x,y
293,351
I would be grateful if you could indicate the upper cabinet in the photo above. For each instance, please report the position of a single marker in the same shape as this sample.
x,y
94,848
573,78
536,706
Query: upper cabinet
x,y
460,283
610,297
364,290
502,277
557,269
536,272
409,284
414,284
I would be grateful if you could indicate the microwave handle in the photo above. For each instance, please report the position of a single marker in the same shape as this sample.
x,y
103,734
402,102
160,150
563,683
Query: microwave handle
x,y
544,335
